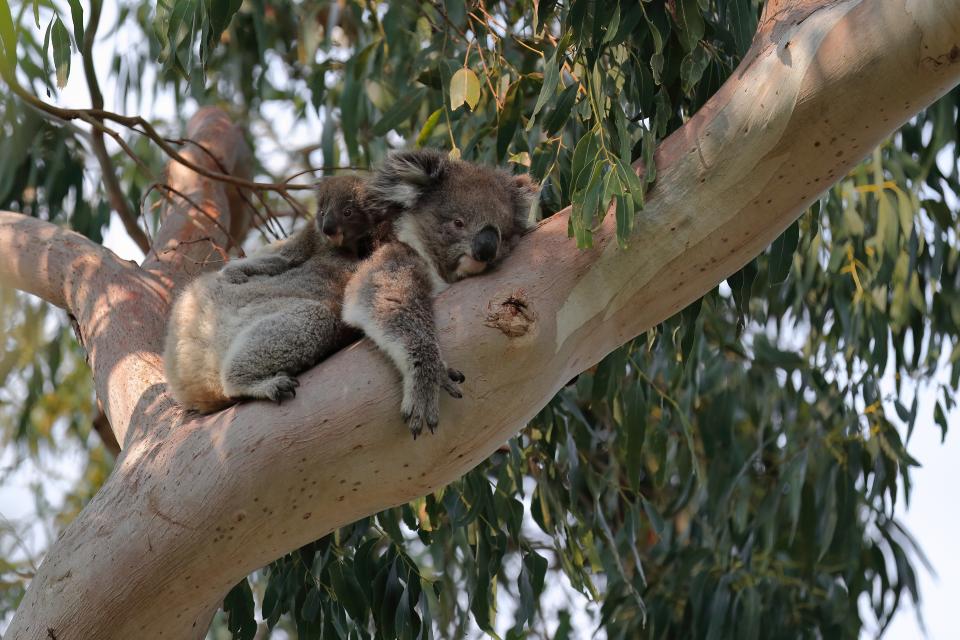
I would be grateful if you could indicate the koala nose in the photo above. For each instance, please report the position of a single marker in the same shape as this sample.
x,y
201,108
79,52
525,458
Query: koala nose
x,y
329,227
485,244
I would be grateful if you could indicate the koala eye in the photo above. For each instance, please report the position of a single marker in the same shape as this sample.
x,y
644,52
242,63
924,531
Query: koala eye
x,y
458,223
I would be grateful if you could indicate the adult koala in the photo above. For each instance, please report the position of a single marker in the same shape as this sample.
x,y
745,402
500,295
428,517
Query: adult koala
x,y
456,219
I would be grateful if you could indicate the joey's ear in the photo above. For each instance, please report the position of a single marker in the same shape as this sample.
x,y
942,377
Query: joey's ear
x,y
525,193
405,175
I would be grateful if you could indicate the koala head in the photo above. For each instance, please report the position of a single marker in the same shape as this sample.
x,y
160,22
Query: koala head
x,y
461,216
342,213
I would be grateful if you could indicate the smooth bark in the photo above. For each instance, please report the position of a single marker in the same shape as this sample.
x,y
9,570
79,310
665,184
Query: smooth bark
x,y
195,503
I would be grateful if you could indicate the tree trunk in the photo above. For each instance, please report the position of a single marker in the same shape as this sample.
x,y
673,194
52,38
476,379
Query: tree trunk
x,y
196,503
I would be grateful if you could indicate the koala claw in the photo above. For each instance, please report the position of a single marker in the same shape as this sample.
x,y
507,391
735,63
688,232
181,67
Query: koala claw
x,y
451,387
282,387
419,411
451,381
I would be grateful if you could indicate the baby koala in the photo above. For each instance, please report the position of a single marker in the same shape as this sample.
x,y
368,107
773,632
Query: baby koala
x,y
247,330
455,220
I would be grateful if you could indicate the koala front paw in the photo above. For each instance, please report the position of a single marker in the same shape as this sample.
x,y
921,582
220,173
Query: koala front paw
x,y
421,400
280,387
233,275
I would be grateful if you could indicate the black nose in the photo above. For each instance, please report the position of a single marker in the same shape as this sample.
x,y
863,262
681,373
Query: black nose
x,y
485,244
329,227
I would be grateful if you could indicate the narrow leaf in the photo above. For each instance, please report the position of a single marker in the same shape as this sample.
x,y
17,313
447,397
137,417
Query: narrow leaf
x,y
62,50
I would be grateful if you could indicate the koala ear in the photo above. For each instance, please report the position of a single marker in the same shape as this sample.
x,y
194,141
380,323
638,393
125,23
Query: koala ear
x,y
405,175
526,192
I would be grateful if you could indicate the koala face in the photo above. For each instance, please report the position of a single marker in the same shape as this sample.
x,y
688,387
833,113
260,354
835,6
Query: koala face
x,y
463,217
341,214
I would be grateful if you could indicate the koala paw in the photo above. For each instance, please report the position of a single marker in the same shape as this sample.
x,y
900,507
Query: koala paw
x,y
280,387
421,401
451,382
421,407
233,275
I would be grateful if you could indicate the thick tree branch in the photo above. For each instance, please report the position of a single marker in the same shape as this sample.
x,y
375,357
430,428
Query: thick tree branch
x,y
121,309
190,510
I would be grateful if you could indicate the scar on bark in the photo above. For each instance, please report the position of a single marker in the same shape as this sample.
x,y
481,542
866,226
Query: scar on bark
x,y
513,316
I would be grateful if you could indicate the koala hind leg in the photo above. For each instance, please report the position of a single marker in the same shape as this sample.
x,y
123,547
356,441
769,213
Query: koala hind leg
x,y
264,357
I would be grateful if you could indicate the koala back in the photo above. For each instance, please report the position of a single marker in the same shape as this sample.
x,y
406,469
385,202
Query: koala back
x,y
195,344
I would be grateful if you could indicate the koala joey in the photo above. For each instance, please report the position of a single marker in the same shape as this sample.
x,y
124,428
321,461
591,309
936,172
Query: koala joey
x,y
455,220
247,330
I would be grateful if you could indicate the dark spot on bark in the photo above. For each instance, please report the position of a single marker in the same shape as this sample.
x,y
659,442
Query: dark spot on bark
x,y
307,515
512,316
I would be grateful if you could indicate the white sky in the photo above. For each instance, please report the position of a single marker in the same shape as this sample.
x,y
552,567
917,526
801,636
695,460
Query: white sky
x,y
933,516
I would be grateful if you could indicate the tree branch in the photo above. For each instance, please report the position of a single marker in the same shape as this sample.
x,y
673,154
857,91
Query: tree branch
x,y
114,192
187,511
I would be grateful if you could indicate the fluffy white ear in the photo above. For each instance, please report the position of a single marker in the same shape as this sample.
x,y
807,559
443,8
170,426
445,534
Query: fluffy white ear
x,y
526,194
405,175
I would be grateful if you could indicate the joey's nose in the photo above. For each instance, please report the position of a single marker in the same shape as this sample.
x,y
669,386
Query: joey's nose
x,y
328,227
485,244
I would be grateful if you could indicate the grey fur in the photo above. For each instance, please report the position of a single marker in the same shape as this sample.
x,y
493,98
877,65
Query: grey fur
x,y
450,211
247,330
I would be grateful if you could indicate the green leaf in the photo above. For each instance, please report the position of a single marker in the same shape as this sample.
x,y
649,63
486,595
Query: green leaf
x,y
348,591
690,23
940,417
219,14
76,12
507,120
464,89
62,51
8,38
401,111
311,605
428,128
561,111
781,254
551,76
240,611
46,54
692,68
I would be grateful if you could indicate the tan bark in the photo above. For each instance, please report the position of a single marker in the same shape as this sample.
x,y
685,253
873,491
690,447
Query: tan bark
x,y
196,503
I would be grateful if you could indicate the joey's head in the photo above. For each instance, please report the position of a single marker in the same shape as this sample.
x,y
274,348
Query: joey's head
x,y
462,217
342,213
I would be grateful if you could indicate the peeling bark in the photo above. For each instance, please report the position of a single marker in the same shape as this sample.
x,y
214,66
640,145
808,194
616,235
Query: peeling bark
x,y
187,511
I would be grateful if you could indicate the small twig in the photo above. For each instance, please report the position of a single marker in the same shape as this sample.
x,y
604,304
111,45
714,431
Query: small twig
x,y
265,220
159,186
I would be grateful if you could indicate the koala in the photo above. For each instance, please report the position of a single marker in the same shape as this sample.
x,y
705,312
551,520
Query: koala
x,y
455,219
249,329
343,218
